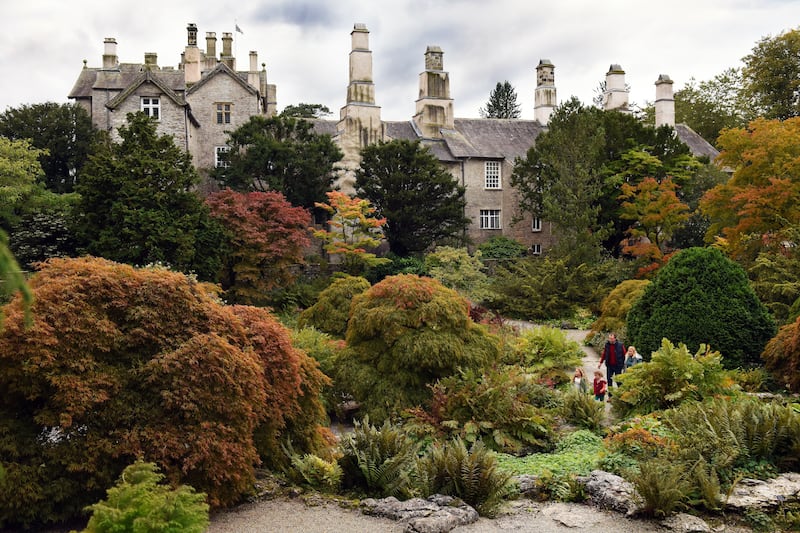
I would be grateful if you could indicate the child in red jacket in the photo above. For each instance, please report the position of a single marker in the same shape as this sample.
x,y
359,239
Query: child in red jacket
x,y
599,386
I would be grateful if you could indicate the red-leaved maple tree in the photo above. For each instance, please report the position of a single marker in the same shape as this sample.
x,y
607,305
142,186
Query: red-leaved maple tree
x,y
122,363
268,236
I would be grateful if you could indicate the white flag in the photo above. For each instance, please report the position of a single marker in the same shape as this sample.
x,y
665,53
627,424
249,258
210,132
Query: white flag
x,y
239,29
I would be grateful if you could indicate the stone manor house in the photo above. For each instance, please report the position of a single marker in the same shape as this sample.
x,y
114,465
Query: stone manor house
x,y
206,96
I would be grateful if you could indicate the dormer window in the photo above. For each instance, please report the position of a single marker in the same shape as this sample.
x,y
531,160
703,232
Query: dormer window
x,y
151,106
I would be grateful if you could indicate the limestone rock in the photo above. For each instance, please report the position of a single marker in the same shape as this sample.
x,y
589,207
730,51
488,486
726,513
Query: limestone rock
x,y
610,491
765,495
686,523
435,514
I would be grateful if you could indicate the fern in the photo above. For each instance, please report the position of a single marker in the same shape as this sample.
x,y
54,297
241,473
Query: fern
x,y
662,485
379,460
470,474
582,410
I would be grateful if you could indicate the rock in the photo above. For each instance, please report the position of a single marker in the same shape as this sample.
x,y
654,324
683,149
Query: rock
x,y
686,523
436,514
610,491
528,486
765,495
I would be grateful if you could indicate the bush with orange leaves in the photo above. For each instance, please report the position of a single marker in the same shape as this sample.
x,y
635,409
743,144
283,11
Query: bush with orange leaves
x,y
122,364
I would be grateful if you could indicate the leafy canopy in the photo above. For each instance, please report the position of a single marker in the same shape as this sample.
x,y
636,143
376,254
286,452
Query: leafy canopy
x,y
280,154
267,239
772,75
137,204
422,203
64,134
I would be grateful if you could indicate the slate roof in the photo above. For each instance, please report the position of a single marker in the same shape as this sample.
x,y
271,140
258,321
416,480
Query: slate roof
x,y
121,78
146,76
492,138
697,145
324,127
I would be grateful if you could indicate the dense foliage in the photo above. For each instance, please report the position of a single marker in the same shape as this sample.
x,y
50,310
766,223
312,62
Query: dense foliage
x,y
121,364
423,204
495,406
267,238
614,307
137,205
332,310
672,376
501,248
457,269
702,297
546,353
772,75
141,502
404,333
64,134
782,356
543,288
281,154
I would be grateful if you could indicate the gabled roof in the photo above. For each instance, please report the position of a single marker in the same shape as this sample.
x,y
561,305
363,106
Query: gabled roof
x,y
120,78
697,145
147,76
221,68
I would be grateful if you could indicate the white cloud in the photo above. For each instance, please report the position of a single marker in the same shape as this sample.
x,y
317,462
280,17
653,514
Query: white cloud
x,y
305,44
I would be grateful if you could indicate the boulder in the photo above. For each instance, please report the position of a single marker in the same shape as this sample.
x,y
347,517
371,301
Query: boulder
x,y
765,495
435,514
610,491
686,523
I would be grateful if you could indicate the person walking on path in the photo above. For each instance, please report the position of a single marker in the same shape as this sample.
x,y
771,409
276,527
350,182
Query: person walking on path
x,y
614,358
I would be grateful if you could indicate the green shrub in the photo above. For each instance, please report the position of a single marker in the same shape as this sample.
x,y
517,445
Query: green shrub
x,y
548,354
397,265
559,487
614,308
316,472
702,297
458,270
662,485
672,376
738,436
405,333
472,475
582,410
501,248
331,311
379,461
495,406
139,502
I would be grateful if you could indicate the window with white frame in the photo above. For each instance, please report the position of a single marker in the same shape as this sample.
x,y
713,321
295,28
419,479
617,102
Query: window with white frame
x,y
219,156
536,249
490,219
536,224
492,175
223,113
151,106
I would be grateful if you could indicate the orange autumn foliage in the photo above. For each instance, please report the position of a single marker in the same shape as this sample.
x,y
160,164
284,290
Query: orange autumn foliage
x,y
123,363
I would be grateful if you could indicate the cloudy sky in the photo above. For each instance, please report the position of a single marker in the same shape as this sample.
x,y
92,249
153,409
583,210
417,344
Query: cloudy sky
x,y
305,43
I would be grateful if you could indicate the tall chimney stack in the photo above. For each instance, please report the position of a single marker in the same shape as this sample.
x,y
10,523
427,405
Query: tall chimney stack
x,y
544,98
665,102
211,44
227,50
253,76
616,94
191,56
110,59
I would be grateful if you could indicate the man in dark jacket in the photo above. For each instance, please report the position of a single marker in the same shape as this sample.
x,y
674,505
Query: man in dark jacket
x,y
614,358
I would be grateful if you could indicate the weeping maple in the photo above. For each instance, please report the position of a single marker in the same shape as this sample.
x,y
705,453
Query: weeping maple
x,y
403,334
123,363
267,237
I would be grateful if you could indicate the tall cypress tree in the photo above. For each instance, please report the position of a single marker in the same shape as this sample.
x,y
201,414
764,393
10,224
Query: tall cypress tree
x,y
502,102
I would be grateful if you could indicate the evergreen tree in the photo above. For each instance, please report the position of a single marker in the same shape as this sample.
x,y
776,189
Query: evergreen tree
x,y
702,297
772,75
422,203
281,154
502,102
137,206
63,131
